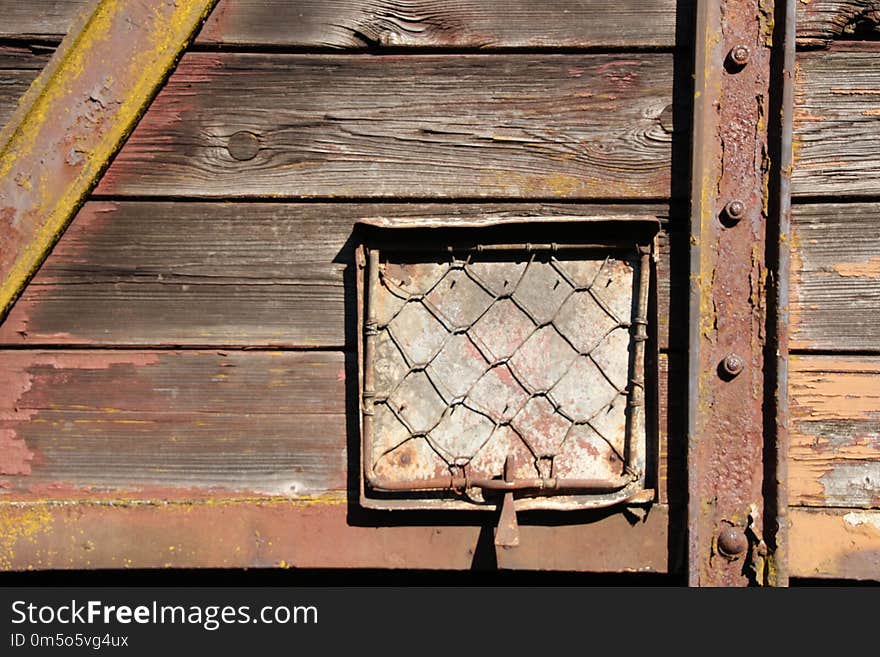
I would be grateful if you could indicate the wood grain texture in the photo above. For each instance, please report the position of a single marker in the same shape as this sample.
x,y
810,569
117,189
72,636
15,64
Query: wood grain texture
x,y
837,123
453,23
823,21
18,68
154,425
423,126
835,431
395,23
835,277
258,274
834,543
277,534
164,425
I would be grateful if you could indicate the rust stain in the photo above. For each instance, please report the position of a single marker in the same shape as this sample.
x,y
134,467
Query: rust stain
x,y
866,269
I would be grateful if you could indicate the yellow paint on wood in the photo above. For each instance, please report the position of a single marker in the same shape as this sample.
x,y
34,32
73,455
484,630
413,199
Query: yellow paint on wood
x,y
41,186
20,524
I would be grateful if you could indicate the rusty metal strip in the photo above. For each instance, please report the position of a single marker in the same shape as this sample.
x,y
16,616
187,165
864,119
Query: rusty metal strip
x,y
75,117
731,218
778,536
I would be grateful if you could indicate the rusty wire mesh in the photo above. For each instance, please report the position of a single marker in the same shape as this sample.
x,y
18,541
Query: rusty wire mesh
x,y
484,354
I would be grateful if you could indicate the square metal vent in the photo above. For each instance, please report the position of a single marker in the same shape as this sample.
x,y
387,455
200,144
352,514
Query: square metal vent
x,y
490,367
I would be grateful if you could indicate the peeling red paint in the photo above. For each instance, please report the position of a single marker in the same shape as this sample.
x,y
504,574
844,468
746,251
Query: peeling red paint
x,y
18,369
16,457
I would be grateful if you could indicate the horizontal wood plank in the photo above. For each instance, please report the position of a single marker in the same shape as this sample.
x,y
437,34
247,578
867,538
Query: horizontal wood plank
x,y
835,431
161,425
318,535
823,21
835,277
548,126
414,126
275,274
453,23
165,425
399,23
837,123
257,274
834,543
13,84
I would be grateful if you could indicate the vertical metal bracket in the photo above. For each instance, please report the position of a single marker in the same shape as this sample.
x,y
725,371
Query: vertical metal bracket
x,y
737,357
507,533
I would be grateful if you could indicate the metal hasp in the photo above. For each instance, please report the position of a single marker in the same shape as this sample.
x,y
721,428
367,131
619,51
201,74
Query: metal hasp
x,y
504,375
737,440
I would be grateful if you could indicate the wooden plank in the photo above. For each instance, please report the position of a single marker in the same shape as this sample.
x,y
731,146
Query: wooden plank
x,y
399,23
265,274
822,21
836,544
835,431
837,123
19,66
319,535
23,58
75,116
835,277
162,425
13,85
451,23
414,126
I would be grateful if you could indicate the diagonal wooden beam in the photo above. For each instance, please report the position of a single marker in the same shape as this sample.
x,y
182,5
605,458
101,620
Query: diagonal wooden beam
x,y
75,117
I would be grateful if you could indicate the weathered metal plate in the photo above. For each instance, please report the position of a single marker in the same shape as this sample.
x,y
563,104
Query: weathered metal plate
x,y
476,353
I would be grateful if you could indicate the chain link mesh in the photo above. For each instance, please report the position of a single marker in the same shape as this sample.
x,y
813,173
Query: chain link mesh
x,y
485,355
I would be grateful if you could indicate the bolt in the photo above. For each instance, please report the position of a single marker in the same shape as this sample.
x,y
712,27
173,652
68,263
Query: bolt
x,y
739,55
735,210
732,364
732,542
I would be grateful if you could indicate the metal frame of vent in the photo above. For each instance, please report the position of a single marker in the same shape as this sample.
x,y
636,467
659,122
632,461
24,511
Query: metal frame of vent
x,y
459,489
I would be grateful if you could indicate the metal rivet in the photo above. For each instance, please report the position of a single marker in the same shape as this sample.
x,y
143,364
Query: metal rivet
x,y
735,210
732,542
739,55
243,145
732,364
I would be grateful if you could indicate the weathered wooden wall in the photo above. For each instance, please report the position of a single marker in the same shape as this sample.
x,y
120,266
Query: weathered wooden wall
x,y
190,338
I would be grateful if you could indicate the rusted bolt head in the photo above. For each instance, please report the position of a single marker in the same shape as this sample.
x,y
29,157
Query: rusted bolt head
x,y
732,364
739,55
732,542
243,145
735,210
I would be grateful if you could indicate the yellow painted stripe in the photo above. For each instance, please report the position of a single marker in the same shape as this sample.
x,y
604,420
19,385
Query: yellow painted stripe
x,y
62,137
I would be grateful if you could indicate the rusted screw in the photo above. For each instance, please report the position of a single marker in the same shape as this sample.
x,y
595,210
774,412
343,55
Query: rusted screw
x,y
732,364
739,55
732,542
735,210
